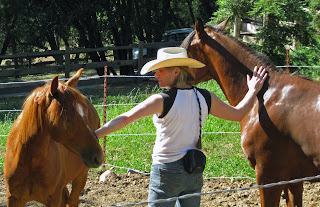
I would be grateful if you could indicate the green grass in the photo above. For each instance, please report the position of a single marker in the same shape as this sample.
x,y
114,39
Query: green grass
x,y
128,148
224,153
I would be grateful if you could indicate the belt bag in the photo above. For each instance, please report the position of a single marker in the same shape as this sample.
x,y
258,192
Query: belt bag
x,y
194,161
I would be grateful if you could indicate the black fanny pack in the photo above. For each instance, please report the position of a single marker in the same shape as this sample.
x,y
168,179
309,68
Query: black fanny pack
x,y
194,161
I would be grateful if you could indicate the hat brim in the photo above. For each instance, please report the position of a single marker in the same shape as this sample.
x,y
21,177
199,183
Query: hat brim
x,y
156,64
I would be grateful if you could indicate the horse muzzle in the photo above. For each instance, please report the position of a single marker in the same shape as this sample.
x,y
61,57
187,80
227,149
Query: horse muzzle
x,y
92,160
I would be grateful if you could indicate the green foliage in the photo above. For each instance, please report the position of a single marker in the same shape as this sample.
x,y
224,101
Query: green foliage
x,y
231,8
305,56
33,25
286,23
314,6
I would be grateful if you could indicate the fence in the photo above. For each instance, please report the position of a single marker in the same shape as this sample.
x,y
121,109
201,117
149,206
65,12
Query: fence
x,y
15,67
72,59
3,136
222,191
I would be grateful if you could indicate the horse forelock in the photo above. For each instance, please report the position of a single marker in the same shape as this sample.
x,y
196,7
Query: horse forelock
x,y
41,109
65,104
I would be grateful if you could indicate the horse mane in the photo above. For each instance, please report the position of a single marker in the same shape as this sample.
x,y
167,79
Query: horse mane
x,y
42,109
264,60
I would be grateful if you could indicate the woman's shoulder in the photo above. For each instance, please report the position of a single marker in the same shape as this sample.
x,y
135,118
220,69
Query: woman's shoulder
x,y
207,96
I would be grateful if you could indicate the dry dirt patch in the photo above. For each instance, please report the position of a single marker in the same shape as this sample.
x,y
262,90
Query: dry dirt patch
x,y
124,189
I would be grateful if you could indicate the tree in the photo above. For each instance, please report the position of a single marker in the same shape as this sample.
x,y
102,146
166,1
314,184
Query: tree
x,y
309,55
314,6
236,9
32,25
286,23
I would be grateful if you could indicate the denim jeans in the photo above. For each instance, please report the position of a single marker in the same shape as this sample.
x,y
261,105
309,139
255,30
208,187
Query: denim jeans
x,y
171,180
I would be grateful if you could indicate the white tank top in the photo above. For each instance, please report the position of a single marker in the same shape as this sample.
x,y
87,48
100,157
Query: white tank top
x,y
178,130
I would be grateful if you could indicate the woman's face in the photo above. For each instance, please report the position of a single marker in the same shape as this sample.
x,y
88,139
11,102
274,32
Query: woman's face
x,y
167,77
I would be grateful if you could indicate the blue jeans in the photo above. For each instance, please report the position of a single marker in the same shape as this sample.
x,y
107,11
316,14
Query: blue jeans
x,y
171,180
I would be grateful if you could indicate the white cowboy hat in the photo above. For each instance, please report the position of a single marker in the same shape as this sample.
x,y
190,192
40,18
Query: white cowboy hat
x,y
170,57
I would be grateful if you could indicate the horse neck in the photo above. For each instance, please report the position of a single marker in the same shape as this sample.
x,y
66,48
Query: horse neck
x,y
31,133
32,149
39,147
232,63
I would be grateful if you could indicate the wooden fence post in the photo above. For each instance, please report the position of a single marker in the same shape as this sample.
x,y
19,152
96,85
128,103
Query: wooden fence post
x,y
140,57
288,61
67,62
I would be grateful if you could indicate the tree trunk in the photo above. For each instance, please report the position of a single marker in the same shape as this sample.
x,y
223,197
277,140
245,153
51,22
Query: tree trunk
x,y
54,46
237,27
5,45
191,10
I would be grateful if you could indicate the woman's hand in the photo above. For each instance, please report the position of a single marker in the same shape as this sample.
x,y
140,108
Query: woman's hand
x,y
255,82
236,113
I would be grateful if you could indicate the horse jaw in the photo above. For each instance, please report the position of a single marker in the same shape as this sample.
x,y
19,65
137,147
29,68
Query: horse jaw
x,y
73,81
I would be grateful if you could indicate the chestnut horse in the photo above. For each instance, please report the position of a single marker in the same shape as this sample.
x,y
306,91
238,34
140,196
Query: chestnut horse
x,y
51,144
280,136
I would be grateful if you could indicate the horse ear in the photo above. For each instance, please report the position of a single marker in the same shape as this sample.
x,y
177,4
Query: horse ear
x,y
54,85
223,24
199,27
73,81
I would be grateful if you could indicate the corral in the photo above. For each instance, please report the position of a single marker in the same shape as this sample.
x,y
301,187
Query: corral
x,y
133,189
124,189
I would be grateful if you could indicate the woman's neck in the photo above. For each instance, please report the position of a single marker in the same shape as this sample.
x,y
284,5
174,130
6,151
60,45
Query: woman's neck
x,y
185,85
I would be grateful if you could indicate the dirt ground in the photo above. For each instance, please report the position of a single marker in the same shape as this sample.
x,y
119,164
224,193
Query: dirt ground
x,y
124,189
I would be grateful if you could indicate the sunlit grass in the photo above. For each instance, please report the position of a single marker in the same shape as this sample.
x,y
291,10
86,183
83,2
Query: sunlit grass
x,y
131,147
127,149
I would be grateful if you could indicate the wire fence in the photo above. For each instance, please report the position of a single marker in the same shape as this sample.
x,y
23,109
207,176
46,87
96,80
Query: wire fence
x,y
295,68
4,136
223,191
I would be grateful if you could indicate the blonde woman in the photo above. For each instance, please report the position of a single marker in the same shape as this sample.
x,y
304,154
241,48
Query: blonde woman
x,y
178,116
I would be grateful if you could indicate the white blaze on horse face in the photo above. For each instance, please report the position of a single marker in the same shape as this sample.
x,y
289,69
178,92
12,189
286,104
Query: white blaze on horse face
x,y
80,110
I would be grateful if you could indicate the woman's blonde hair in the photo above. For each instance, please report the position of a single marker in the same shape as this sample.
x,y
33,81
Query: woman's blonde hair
x,y
185,76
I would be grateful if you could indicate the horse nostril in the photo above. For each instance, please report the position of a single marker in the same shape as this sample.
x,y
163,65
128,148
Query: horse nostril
x,y
97,160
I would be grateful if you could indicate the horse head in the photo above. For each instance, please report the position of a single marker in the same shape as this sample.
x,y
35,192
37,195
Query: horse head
x,y
60,111
226,59
50,145
277,119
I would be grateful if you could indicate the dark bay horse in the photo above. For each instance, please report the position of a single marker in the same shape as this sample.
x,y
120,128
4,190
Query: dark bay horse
x,y
51,144
280,136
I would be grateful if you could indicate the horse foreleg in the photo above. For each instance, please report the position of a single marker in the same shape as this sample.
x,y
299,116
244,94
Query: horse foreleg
x,y
14,202
77,187
294,195
270,197
65,197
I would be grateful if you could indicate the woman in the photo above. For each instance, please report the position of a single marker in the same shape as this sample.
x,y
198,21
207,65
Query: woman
x,y
178,116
